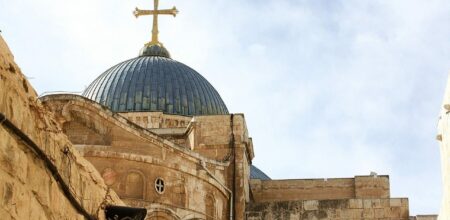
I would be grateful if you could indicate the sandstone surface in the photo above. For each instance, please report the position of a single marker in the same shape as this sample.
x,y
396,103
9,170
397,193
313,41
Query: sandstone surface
x,y
32,180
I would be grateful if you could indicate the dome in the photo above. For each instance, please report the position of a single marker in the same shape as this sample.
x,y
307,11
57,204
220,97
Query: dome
x,y
256,173
153,82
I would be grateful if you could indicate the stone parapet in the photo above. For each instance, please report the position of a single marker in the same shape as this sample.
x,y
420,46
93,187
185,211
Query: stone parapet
x,y
349,209
372,187
306,189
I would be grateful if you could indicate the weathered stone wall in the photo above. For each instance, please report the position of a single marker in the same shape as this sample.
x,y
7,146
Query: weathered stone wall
x,y
362,197
348,209
28,189
424,217
308,189
130,158
135,182
127,154
372,187
211,136
444,142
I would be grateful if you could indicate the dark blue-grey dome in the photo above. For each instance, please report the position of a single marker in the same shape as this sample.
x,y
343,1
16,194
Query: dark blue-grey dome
x,y
256,173
158,84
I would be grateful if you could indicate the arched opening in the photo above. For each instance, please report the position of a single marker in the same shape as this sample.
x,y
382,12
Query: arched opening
x,y
134,185
210,207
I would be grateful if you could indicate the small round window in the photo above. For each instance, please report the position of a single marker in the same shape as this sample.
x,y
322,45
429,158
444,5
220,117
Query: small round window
x,y
159,185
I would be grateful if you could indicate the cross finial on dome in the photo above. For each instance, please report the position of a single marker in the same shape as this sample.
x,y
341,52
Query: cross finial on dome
x,y
155,12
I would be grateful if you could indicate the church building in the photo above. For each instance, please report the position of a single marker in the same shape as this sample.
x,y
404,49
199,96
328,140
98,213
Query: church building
x,y
162,139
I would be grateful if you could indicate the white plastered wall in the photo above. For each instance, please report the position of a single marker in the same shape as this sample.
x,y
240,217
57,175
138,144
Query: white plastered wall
x,y
444,142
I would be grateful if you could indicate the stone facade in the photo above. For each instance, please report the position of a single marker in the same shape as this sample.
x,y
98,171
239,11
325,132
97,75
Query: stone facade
x,y
444,142
37,161
362,197
200,162
360,187
205,166
331,209
177,167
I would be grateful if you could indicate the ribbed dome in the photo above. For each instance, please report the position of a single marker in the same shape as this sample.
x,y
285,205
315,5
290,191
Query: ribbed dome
x,y
155,83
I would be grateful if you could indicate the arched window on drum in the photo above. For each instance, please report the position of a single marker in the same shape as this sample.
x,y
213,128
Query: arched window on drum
x,y
210,207
134,185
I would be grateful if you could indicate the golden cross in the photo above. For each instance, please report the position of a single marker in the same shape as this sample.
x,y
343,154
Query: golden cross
x,y
155,12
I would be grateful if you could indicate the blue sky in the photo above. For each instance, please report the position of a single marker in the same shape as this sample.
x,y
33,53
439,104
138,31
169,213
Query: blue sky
x,y
328,88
